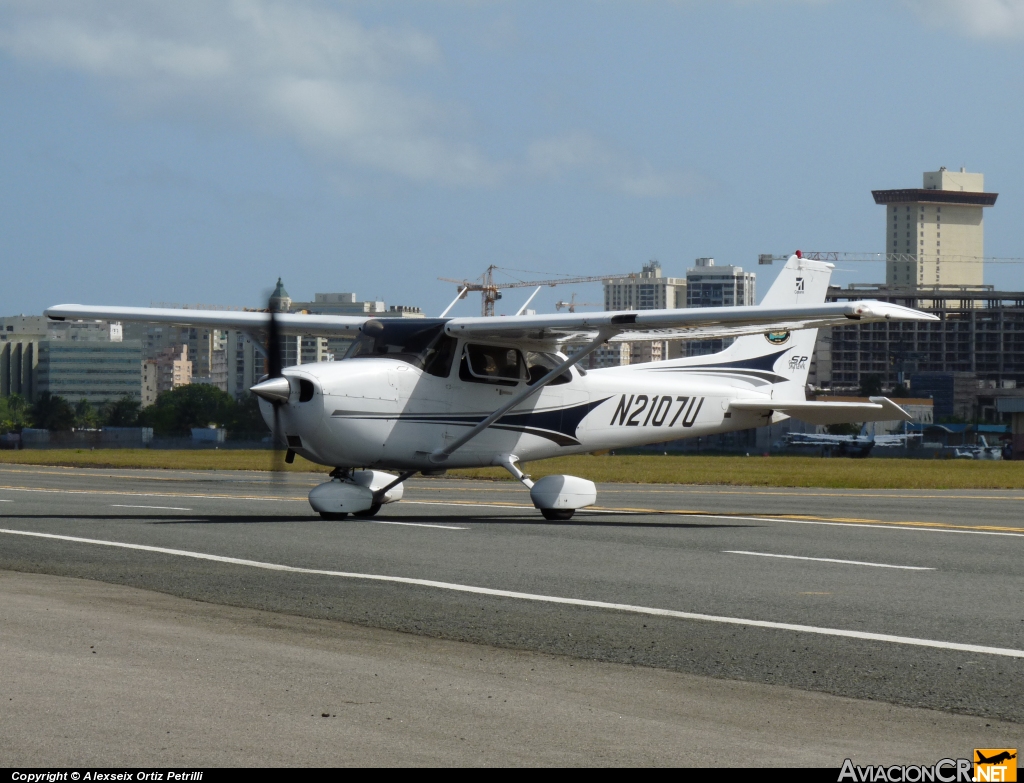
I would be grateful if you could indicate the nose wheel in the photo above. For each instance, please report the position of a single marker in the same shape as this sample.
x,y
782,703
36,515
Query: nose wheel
x,y
336,515
557,513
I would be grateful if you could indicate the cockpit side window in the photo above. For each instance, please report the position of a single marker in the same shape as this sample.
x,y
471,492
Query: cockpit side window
x,y
491,364
440,355
540,364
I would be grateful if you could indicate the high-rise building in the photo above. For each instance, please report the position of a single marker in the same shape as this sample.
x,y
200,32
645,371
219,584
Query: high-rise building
x,y
169,370
645,291
245,364
708,285
21,337
935,235
90,370
207,348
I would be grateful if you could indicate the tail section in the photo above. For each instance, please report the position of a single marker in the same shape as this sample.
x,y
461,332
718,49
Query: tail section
x,y
780,360
800,281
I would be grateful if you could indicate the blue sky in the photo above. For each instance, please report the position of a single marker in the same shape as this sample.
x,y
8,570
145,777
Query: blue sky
x,y
194,151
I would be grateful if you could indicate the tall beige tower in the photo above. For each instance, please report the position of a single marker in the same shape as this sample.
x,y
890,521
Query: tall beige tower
x,y
935,235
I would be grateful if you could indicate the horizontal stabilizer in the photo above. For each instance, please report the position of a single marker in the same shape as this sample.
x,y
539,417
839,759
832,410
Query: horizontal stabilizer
x,y
879,409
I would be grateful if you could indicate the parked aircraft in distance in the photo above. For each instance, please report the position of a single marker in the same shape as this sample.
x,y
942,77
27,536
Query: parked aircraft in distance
x,y
859,445
980,451
424,395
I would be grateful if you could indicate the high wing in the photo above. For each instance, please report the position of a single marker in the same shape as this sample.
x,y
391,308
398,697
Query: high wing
x,y
288,323
544,330
695,323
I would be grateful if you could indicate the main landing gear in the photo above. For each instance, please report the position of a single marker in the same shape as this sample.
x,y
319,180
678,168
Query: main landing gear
x,y
557,497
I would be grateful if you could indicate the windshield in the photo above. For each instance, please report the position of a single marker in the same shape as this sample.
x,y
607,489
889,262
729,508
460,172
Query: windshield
x,y
420,342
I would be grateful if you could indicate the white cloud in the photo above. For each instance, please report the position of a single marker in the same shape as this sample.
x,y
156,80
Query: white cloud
x,y
581,154
978,18
298,69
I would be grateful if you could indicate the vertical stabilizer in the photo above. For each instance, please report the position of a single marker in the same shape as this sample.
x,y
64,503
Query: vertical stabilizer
x,y
801,281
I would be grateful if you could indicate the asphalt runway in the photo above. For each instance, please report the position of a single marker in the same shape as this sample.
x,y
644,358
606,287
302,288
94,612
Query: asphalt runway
x,y
910,597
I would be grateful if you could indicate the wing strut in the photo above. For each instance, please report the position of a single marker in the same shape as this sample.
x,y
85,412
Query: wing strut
x,y
462,293
440,455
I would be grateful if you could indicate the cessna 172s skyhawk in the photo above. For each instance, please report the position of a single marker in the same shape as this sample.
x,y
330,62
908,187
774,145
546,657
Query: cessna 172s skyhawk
x,y
424,395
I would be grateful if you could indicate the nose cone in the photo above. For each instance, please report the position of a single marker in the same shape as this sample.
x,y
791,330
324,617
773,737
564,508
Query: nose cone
x,y
273,390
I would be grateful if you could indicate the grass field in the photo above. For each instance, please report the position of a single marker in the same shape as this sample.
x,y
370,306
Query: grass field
x,y
644,469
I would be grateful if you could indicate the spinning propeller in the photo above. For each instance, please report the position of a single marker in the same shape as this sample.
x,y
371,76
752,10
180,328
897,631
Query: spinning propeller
x,y
275,388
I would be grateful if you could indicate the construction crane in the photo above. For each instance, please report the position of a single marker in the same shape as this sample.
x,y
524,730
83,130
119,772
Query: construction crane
x,y
844,257
490,291
572,304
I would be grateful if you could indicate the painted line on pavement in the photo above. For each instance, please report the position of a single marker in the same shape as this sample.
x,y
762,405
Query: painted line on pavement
x,y
550,599
414,524
518,506
166,508
827,560
877,524
119,493
692,489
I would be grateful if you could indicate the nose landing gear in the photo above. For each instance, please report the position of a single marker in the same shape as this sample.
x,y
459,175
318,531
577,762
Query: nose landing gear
x,y
360,493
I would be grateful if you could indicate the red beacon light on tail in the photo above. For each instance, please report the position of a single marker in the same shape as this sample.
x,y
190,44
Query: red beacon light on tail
x,y
799,254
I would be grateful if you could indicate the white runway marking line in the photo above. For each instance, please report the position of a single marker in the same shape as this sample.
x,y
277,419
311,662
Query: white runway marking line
x,y
510,507
827,560
883,526
166,508
150,494
551,599
414,524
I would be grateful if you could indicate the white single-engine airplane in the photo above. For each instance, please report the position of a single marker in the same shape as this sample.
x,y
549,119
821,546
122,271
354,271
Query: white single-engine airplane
x,y
425,395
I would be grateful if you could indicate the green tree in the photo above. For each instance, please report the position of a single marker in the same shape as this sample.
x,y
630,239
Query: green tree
x,y
871,386
121,413
86,416
53,413
177,411
14,413
246,417
900,390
